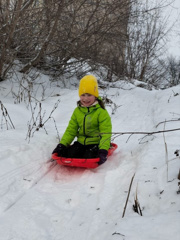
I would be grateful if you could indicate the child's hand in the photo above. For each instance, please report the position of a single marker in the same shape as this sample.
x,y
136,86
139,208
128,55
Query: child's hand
x,y
103,156
60,150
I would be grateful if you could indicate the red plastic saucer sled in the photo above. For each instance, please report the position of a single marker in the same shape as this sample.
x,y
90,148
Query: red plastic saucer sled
x,y
82,162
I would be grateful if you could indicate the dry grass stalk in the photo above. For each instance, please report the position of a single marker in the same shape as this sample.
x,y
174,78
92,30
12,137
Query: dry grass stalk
x,y
6,117
128,195
179,175
166,151
136,205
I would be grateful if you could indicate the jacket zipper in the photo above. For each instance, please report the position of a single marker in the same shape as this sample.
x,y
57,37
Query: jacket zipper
x,y
84,125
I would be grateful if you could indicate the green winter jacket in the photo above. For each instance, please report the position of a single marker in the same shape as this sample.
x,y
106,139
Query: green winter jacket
x,y
87,124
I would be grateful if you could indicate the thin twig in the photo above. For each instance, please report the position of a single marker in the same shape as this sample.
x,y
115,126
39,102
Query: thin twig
x,y
173,120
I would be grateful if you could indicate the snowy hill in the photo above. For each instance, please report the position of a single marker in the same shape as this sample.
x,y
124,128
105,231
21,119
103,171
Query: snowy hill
x,y
44,201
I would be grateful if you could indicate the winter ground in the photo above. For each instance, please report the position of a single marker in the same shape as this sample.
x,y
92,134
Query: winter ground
x,y
44,201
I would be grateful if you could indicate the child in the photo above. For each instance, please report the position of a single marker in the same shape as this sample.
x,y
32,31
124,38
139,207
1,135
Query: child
x,y
87,122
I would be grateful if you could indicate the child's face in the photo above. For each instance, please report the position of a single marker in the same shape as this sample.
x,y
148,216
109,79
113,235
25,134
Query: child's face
x,y
87,99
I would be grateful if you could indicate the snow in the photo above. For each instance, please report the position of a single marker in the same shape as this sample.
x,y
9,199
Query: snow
x,y
44,201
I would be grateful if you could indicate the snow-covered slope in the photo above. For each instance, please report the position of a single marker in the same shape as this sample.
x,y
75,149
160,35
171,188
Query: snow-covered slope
x,y
40,200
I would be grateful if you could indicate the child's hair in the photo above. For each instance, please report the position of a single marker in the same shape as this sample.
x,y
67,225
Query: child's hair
x,y
100,101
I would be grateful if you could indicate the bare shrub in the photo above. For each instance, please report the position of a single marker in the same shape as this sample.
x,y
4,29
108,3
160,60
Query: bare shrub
x,y
60,36
172,71
147,37
37,120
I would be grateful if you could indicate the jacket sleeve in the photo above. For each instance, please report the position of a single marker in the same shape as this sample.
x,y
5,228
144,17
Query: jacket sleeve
x,y
105,126
71,130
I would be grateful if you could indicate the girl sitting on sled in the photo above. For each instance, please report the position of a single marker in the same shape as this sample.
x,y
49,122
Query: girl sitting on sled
x,y
88,121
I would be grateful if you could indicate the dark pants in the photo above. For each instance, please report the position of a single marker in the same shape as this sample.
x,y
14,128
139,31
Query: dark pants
x,y
77,150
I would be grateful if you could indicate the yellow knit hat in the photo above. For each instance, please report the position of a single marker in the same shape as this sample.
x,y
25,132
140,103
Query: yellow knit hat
x,y
88,84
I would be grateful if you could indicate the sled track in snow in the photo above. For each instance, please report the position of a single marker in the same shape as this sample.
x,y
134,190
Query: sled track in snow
x,y
34,183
